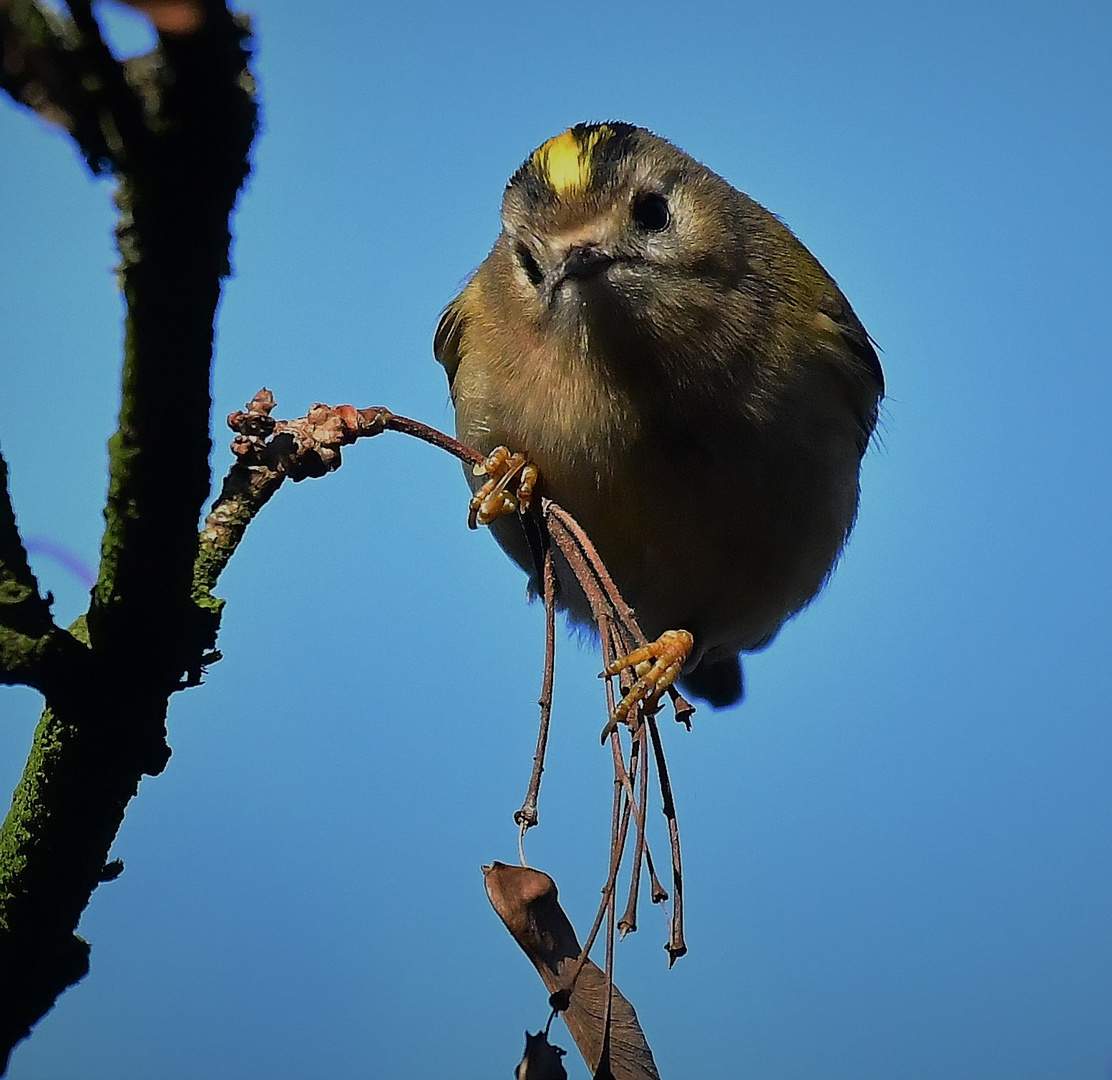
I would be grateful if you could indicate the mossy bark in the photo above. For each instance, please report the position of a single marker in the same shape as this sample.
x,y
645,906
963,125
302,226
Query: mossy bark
x,y
175,127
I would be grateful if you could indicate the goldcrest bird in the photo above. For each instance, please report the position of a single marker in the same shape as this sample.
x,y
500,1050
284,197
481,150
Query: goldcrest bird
x,y
691,384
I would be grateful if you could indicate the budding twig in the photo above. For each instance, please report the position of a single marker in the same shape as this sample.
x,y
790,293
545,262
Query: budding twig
x,y
269,451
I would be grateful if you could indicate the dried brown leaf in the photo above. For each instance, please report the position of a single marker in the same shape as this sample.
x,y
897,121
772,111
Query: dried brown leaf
x,y
526,900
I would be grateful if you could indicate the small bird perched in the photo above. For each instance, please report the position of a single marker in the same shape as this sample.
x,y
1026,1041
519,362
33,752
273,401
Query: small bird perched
x,y
690,383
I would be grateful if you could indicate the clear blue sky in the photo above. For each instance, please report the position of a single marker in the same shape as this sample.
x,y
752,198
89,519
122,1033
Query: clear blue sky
x,y
898,850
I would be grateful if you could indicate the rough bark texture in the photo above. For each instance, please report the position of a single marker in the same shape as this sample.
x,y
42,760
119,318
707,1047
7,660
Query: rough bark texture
x,y
175,128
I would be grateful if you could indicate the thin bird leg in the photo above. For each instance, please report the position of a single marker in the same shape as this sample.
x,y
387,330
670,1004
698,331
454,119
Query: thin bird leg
x,y
527,816
676,946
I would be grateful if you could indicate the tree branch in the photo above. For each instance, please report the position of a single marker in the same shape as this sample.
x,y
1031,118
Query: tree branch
x,y
268,452
33,651
176,128
41,69
175,201
28,636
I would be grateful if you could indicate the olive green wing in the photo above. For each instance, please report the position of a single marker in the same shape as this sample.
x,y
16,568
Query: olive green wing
x,y
857,361
447,342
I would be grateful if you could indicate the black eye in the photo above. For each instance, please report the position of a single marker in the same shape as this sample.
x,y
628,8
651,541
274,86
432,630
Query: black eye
x,y
650,212
529,264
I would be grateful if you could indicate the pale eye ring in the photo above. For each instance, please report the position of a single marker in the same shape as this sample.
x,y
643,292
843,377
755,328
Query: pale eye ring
x,y
651,212
529,264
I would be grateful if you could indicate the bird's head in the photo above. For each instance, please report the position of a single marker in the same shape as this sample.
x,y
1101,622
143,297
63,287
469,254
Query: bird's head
x,y
612,233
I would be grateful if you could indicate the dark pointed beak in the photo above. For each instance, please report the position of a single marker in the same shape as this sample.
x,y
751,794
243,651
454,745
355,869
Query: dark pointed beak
x,y
584,262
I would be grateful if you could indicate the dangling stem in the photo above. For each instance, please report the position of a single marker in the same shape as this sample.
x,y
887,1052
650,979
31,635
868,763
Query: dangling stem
x,y
527,816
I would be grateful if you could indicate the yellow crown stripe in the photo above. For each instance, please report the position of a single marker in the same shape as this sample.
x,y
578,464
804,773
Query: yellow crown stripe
x,y
566,162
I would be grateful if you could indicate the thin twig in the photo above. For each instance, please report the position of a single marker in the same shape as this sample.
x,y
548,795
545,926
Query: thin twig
x,y
527,816
636,788
657,893
602,1070
676,946
590,570
628,780
271,451
622,808
121,115
406,426
639,775
587,566
32,649
619,828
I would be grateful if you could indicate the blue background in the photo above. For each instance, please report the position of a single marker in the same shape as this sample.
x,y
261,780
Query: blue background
x,y
898,850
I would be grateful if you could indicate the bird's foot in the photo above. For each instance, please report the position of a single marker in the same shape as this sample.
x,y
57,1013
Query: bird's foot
x,y
656,666
510,487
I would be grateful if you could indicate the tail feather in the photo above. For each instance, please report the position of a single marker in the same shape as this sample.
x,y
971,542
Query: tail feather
x,y
718,683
